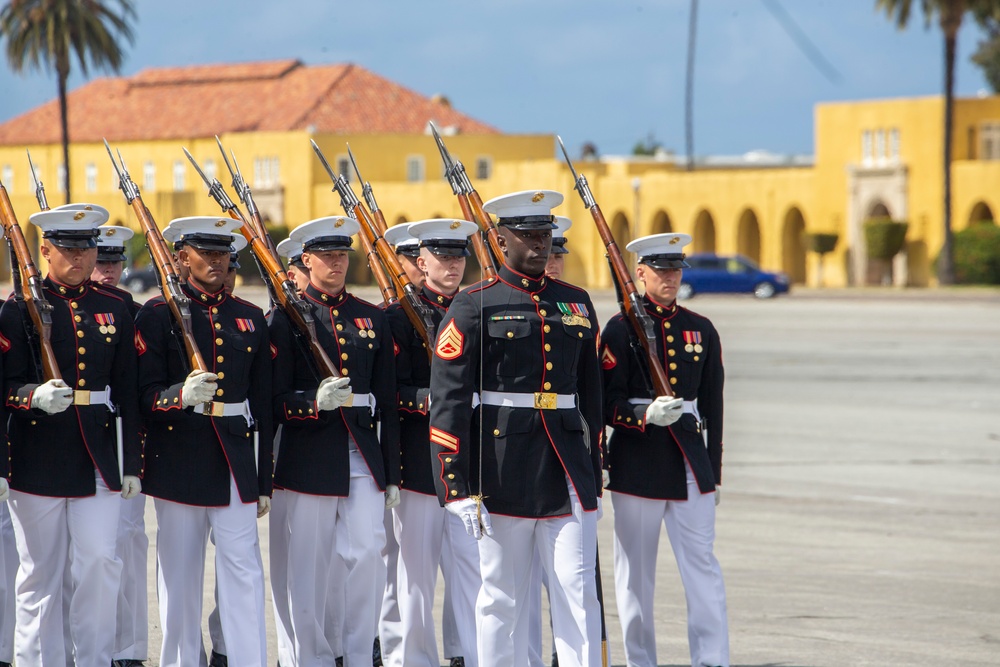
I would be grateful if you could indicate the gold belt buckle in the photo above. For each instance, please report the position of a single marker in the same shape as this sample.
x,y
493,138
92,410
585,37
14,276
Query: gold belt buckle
x,y
545,400
81,397
213,409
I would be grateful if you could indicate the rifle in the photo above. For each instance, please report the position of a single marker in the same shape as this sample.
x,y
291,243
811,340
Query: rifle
x,y
279,285
629,300
28,287
43,204
166,275
384,282
416,311
472,210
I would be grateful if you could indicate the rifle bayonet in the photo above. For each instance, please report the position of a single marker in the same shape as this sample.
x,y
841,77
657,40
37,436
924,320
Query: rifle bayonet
x,y
43,204
366,187
579,180
125,184
214,186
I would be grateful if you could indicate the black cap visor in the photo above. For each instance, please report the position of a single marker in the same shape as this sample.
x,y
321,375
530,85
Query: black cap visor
x,y
447,248
110,254
321,243
208,242
409,250
559,246
671,261
72,239
525,223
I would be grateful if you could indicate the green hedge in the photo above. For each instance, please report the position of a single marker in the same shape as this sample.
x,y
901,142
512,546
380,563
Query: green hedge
x,y
977,254
884,238
821,243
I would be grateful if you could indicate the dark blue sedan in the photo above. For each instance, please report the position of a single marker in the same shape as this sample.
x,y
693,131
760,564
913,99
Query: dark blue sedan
x,y
711,273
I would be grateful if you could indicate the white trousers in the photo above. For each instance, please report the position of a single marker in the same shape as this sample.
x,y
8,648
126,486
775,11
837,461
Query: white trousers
x,y
315,528
567,549
462,581
335,603
690,526
8,573
181,540
419,522
132,635
50,531
390,629
537,581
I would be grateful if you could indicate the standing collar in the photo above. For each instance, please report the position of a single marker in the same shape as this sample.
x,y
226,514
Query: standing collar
x,y
202,297
63,290
520,280
319,296
658,309
437,298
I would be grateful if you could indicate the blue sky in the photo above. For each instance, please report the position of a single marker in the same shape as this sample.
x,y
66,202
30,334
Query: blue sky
x,y
606,71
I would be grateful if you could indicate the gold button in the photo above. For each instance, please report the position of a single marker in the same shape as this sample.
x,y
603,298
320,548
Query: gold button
x,y
696,357
170,428
81,350
79,334
673,366
221,375
341,341
220,358
218,325
670,339
82,366
33,422
219,392
336,312
82,383
546,328
454,493
451,476
510,334
344,371
343,355
372,347
666,325
448,460
73,304
542,312
659,309
215,311
579,334
247,434
672,352
628,419
300,411
496,431
673,380
410,404
548,365
535,297
548,348
218,341
108,339
547,386
310,411
340,327
175,399
77,318
249,349
639,422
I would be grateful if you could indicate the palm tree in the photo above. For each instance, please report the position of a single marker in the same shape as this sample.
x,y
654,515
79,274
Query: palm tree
x,y
949,14
47,34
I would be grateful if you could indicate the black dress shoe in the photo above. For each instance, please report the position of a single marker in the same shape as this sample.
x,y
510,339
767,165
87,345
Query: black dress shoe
x,y
127,662
377,653
457,661
218,660
555,659
340,661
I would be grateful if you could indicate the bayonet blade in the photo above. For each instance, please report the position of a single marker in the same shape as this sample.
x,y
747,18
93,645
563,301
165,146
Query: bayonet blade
x,y
566,155
322,159
225,158
197,168
354,162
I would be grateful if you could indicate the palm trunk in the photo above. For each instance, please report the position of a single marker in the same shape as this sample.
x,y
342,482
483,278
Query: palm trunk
x,y
689,87
64,118
946,262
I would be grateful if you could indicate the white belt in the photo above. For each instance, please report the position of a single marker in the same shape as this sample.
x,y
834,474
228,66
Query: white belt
x,y
219,409
91,397
690,407
360,401
539,400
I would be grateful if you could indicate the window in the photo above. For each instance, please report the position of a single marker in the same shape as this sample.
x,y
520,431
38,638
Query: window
x,y
866,147
149,176
7,176
265,172
90,174
275,172
344,167
894,144
880,151
61,178
989,141
415,168
178,176
209,167
484,168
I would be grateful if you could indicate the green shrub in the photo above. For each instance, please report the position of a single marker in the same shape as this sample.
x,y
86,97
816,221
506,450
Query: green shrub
x,y
821,243
884,238
977,254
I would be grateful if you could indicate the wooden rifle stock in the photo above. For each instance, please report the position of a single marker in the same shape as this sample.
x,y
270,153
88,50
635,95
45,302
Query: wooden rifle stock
x,y
39,309
628,296
483,255
168,280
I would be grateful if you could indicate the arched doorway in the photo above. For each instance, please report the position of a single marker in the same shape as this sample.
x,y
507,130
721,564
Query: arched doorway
x,y
621,229
793,249
981,213
878,210
748,236
874,270
661,223
704,233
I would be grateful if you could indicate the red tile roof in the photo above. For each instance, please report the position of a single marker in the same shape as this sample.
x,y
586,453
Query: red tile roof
x,y
204,100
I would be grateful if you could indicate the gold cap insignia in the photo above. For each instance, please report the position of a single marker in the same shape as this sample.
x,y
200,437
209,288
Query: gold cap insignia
x,y
79,216
456,224
339,223
109,232
88,208
220,223
674,240
537,197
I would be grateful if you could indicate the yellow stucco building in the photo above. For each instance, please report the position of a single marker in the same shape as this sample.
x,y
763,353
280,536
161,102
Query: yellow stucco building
x,y
872,158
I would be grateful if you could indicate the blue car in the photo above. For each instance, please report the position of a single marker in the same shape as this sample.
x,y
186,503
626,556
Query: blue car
x,y
736,274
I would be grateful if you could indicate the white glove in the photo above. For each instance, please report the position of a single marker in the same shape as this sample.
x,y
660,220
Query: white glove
x,y
391,496
664,411
473,515
605,478
263,506
718,495
52,397
333,393
4,489
131,487
199,387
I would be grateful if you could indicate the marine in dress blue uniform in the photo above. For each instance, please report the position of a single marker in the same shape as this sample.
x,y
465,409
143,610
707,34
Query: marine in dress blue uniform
x,y
532,450
665,460
335,473
208,450
65,495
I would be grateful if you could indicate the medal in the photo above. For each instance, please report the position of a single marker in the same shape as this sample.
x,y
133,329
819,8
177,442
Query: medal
x,y
371,333
689,348
693,340
103,329
362,333
697,348
111,329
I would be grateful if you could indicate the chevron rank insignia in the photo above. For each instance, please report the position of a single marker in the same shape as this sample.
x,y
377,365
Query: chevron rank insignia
x,y
608,360
140,344
444,439
450,341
